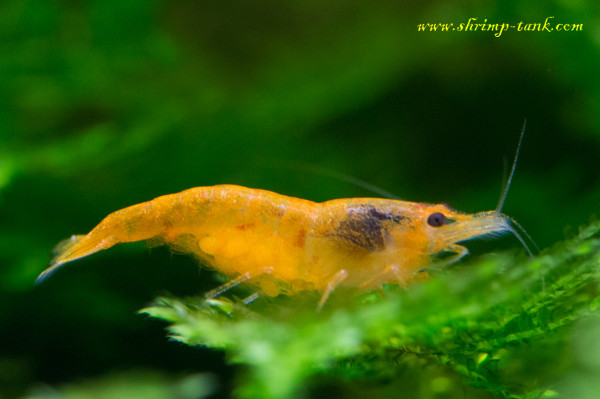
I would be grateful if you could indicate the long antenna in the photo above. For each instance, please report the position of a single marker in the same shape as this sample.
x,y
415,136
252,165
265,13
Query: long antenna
x,y
512,171
323,171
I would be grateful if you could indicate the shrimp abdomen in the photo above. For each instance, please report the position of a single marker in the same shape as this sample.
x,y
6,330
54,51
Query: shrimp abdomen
x,y
213,223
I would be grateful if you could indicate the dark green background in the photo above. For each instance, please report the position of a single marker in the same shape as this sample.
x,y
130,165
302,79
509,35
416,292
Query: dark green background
x,y
104,104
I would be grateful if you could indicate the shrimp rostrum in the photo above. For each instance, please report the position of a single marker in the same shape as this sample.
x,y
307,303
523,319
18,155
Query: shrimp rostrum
x,y
286,245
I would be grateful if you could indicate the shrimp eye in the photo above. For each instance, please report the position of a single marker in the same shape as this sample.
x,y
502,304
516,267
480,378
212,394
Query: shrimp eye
x,y
436,219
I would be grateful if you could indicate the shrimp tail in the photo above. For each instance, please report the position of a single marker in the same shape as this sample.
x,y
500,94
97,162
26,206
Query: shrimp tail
x,y
124,225
75,247
65,246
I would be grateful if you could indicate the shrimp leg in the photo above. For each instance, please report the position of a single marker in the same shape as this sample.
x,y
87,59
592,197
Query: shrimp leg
x,y
401,277
235,282
331,285
459,252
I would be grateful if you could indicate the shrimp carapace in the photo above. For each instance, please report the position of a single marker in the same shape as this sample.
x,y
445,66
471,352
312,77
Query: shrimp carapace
x,y
286,245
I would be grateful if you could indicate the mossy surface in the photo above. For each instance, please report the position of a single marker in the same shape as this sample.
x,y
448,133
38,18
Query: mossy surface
x,y
504,323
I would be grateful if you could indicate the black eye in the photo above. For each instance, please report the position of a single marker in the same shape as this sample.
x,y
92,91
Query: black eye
x,y
436,219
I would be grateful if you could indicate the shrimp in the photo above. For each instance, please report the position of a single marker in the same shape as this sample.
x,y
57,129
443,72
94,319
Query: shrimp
x,y
285,245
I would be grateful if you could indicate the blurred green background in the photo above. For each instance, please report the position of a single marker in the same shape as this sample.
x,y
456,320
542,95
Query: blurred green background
x,y
108,103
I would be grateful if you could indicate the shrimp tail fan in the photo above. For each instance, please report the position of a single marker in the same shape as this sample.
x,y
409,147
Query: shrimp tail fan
x,y
64,251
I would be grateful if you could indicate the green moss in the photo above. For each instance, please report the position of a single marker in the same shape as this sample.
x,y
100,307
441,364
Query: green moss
x,y
502,322
132,385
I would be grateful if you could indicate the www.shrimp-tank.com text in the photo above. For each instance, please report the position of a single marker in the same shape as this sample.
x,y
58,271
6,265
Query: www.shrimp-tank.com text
x,y
497,29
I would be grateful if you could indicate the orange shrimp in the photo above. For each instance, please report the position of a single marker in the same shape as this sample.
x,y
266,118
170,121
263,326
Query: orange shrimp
x,y
286,245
